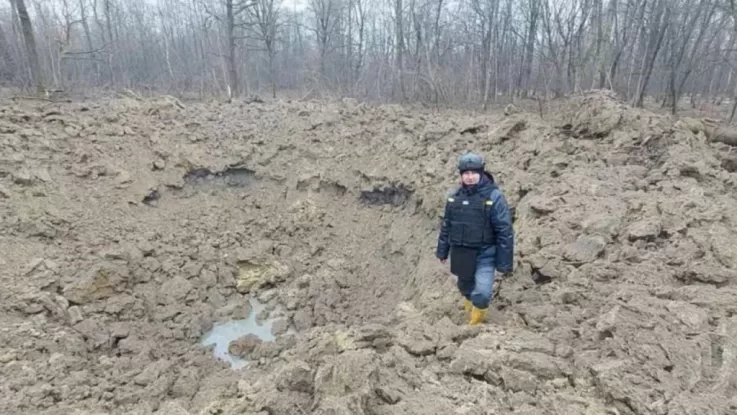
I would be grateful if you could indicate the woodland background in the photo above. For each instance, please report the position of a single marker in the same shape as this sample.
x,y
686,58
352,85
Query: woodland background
x,y
672,54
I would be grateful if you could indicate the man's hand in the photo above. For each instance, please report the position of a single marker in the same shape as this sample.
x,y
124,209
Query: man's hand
x,y
443,261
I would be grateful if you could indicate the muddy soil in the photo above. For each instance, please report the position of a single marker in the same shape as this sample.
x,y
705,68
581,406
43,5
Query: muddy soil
x,y
128,228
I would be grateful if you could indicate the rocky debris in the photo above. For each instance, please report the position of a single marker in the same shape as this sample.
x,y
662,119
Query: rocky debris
x,y
237,311
96,283
279,326
721,134
151,372
171,408
644,230
187,384
75,315
22,177
521,354
595,115
542,205
602,224
511,109
346,382
159,164
585,249
123,179
302,319
245,345
729,163
377,336
297,376
508,129
253,275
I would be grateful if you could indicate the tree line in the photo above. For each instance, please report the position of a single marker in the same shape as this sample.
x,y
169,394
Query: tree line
x,y
442,51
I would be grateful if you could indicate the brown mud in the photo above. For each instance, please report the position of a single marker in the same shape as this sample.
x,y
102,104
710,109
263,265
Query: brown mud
x,y
128,228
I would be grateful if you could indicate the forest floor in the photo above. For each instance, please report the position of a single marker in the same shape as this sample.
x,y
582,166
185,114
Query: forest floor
x,y
130,227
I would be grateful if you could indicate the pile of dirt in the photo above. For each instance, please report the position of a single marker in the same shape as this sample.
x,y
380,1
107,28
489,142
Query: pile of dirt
x,y
130,227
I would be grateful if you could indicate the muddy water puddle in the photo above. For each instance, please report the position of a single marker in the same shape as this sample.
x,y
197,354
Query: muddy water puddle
x,y
225,332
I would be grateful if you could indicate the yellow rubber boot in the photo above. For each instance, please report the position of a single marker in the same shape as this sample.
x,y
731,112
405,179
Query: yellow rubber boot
x,y
467,305
478,315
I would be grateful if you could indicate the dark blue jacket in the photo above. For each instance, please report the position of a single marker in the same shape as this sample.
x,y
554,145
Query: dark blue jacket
x,y
500,221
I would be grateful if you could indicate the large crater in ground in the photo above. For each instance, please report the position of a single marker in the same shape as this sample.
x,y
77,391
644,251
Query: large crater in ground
x,y
131,228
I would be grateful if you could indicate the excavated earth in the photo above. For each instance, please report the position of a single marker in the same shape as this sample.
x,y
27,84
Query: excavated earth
x,y
130,227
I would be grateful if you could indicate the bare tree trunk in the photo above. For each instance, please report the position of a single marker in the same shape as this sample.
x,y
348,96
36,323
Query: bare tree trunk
x,y
600,41
732,9
526,71
230,57
30,43
360,47
325,28
486,47
7,68
399,15
349,45
694,48
88,38
657,34
109,27
264,21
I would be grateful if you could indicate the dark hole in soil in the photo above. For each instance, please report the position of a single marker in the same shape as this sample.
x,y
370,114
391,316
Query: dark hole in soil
x,y
394,195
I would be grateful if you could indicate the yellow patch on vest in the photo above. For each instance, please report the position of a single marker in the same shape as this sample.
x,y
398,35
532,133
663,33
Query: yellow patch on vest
x,y
450,199
489,203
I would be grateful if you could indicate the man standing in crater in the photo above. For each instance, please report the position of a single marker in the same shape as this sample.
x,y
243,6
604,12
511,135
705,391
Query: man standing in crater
x,y
477,234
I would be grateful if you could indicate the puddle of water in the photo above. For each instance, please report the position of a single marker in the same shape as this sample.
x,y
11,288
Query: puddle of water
x,y
223,333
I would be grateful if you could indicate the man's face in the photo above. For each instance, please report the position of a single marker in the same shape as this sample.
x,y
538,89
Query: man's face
x,y
470,178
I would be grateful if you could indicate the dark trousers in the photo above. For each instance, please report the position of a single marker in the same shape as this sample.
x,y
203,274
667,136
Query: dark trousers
x,y
477,285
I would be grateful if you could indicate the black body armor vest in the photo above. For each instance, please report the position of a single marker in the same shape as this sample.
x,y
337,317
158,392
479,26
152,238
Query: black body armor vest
x,y
469,218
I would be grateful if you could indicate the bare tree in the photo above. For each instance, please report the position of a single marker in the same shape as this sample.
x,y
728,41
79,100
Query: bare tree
x,y
360,18
399,51
111,39
265,21
325,15
30,44
88,37
234,11
684,43
730,8
623,32
466,52
656,30
7,68
533,9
